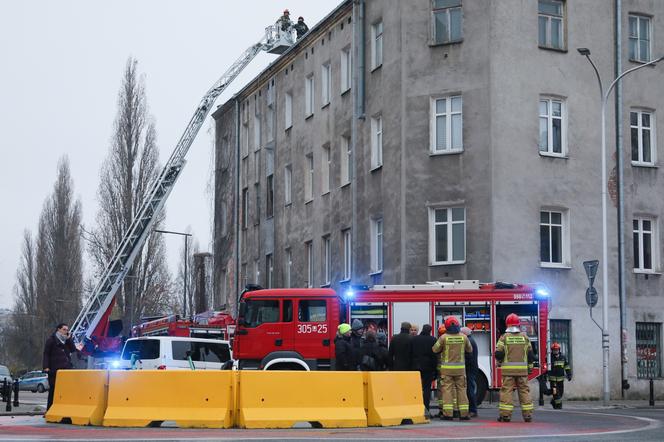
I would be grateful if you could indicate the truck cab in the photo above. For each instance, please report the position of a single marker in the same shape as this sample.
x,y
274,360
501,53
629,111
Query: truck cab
x,y
286,329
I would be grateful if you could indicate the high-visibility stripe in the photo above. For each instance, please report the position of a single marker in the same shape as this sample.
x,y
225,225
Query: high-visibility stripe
x,y
464,407
527,406
448,407
515,364
507,407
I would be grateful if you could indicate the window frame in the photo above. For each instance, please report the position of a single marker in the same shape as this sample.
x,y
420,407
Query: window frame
x,y
447,11
641,328
326,84
548,44
288,185
565,252
654,244
269,271
558,328
345,159
376,142
245,208
309,254
640,129
637,57
550,118
309,99
377,44
449,223
257,132
309,178
347,245
288,267
376,244
326,169
448,114
346,70
269,197
327,261
288,111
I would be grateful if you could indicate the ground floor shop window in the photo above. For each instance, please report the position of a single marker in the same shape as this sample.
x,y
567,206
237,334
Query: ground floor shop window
x,y
648,350
561,333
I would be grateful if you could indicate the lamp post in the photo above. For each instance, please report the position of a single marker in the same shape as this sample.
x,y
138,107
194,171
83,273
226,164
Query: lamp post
x,y
604,96
186,255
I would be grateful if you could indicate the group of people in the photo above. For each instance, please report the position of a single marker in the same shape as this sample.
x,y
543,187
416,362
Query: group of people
x,y
286,24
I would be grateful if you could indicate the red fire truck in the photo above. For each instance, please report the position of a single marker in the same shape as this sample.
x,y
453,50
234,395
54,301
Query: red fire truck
x,y
214,325
287,329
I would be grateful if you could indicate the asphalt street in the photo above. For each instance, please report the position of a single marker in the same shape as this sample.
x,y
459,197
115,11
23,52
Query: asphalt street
x,y
576,423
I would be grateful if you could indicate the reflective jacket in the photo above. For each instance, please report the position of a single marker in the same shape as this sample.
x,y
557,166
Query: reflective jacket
x,y
452,349
559,368
515,353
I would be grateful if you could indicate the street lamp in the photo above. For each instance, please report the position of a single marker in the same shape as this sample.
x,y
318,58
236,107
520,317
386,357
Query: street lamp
x,y
186,255
604,96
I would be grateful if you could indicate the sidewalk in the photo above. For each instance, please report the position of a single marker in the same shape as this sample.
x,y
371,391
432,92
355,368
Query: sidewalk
x,y
22,409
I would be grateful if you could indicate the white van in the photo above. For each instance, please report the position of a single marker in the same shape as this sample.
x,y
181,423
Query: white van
x,y
167,352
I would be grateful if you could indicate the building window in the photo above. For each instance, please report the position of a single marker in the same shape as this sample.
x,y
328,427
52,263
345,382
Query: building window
x,y
245,207
244,274
257,272
376,142
376,245
376,45
345,160
648,350
309,96
287,268
639,38
269,271
645,249
309,252
552,139
347,253
643,140
446,18
269,200
447,125
325,176
257,215
288,111
561,332
447,235
327,261
551,24
257,166
346,72
325,88
288,184
309,178
245,140
257,132
269,120
554,244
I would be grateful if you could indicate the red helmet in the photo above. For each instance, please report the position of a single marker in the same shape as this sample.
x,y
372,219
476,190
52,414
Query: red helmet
x,y
451,321
512,320
286,11
555,346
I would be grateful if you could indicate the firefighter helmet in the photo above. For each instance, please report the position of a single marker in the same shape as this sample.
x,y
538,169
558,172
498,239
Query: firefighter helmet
x,y
555,346
286,11
451,321
512,320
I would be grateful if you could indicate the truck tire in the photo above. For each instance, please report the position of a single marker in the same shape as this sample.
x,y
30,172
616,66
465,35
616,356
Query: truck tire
x,y
482,388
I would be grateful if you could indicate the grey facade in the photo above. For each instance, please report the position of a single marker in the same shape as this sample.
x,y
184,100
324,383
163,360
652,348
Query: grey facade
x,y
500,177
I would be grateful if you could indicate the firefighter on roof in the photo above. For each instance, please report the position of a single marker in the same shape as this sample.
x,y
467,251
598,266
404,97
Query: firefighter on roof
x,y
452,347
560,370
514,353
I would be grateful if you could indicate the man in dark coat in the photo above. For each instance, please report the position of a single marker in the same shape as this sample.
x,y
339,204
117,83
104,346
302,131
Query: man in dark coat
x,y
57,356
401,349
373,356
301,27
344,357
472,368
424,361
356,338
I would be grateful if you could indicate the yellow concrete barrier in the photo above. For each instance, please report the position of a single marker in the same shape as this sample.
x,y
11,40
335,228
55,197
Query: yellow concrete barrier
x,y
193,399
79,396
280,399
394,398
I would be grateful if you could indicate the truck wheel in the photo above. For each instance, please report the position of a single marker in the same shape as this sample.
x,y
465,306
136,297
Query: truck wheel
x,y
482,388
40,388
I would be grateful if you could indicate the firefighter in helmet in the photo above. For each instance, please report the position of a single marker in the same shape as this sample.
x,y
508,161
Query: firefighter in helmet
x,y
560,370
284,21
515,355
452,347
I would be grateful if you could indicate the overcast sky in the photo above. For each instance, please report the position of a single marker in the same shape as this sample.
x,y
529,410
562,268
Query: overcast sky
x,y
62,65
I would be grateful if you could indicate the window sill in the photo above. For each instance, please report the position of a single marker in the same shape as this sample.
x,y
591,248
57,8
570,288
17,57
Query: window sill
x,y
343,281
308,201
326,285
375,168
288,204
326,105
646,272
344,185
450,263
433,44
344,92
375,68
551,48
445,152
554,155
635,61
288,128
546,265
325,193
376,273
644,165
308,116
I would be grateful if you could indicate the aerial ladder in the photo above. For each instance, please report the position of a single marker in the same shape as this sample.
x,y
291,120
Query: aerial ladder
x,y
92,324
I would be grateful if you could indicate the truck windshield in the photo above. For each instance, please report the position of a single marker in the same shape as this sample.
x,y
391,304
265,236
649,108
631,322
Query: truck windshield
x,y
261,311
143,348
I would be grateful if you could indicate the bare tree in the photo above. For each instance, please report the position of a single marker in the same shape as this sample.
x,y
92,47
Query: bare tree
x,y
126,175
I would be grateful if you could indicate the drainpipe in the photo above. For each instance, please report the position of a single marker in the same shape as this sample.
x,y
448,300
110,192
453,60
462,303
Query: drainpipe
x,y
236,206
624,385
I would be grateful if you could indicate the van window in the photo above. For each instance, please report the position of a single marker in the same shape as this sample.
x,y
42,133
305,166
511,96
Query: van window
x,y
143,348
312,311
4,370
261,311
201,351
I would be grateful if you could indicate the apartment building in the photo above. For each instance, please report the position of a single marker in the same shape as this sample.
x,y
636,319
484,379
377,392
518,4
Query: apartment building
x,y
412,141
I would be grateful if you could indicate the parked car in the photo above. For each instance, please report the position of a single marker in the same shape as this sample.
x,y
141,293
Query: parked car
x,y
168,352
34,381
5,374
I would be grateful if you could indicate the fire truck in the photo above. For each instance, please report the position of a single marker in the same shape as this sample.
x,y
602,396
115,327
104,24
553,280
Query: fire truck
x,y
294,329
213,325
